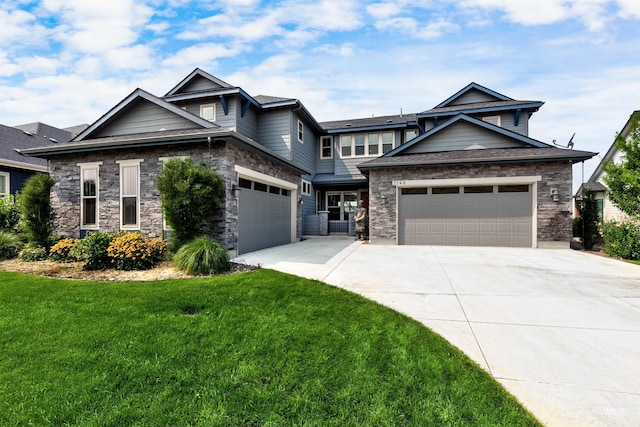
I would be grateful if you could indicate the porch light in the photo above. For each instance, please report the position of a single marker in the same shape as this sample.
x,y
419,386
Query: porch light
x,y
555,196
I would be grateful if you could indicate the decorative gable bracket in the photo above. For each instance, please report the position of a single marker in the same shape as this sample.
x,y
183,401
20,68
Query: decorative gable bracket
x,y
244,107
225,105
516,119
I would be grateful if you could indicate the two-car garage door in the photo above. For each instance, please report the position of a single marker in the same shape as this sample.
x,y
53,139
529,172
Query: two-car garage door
x,y
481,215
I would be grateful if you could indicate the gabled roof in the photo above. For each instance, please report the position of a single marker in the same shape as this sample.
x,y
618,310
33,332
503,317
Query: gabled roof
x,y
370,123
468,157
481,107
195,74
267,99
13,140
135,96
614,147
464,118
470,87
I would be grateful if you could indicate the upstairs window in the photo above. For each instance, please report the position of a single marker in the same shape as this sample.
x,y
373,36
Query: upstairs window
x,y
409,134
494,120
370,144
326,147
300,131
306,188
208,112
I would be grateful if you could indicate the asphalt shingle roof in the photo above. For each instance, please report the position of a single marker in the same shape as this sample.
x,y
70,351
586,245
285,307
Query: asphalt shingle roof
x,y
12,138
369,121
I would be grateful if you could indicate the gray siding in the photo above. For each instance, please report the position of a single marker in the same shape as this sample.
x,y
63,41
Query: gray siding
x,y
303,153
471,97
348,166
463,136
143,117
507,121
224,120
274,132
200,84
325,165
247,125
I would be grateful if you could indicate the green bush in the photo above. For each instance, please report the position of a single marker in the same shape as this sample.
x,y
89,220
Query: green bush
x,y
9,213
202,255
62,251
93,250
33,253
622,239
36,209
190,195
10,245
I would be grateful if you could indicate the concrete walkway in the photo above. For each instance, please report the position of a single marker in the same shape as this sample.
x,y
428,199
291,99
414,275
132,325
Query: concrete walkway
x,y
559,329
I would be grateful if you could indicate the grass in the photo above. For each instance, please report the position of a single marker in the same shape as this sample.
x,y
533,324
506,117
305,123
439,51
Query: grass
x,y
261,348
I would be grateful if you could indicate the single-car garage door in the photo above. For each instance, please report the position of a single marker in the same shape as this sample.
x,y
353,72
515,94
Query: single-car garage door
x,y
481,215
264,216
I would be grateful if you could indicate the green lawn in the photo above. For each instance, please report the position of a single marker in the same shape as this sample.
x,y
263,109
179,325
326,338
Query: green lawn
x,y
260,348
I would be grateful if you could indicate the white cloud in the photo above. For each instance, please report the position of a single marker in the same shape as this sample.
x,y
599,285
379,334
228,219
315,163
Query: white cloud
x,y
629,8
197,55
345,49
19,27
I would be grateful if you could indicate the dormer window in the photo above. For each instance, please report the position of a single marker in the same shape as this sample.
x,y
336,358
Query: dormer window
x,y
208,112
494,120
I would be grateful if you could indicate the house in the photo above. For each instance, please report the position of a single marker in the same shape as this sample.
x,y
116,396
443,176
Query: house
x,y
463,173
608,211
16,168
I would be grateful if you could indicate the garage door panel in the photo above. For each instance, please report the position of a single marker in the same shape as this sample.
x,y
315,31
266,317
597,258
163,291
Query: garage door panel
x,y
470,219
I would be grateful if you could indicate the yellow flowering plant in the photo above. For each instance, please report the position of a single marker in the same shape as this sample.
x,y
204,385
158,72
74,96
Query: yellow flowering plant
x,y
131,251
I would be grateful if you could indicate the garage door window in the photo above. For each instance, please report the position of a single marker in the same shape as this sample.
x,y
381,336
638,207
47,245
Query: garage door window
x,y
479,189
445,190
513,189
407,191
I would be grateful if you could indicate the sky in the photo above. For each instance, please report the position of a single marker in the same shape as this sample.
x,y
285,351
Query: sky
x,y
67,62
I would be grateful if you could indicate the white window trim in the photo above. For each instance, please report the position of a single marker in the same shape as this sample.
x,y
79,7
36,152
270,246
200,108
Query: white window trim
x,y
306,187
366,144
203,106
330,139
300,131
123,164
83,167
7,180
496,118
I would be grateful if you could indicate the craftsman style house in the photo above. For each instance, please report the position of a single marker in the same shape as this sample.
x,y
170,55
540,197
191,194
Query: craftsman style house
x,y
463,173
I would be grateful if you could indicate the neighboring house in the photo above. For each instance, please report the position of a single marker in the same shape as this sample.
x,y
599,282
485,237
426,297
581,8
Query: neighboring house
x,y
16,168
462,173
608,211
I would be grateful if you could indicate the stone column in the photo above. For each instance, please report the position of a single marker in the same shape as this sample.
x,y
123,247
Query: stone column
x,y
323,223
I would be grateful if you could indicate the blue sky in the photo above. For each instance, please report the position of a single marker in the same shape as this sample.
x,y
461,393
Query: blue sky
x,y
65,62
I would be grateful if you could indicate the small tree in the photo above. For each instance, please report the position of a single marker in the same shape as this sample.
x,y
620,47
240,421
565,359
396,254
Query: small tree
x,y
589,219
623,176
37,212
190,195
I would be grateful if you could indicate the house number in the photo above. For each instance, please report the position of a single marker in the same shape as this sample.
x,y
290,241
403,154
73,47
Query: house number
x,y
396,183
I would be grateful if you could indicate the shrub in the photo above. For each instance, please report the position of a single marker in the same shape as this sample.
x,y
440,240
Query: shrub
x,y
37,213
62,251
202,255
158,248
10,245
130,251
9,213
93,250
190,195
622,239
33,253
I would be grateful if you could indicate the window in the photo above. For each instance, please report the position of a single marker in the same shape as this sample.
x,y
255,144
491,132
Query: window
x,y
513,188
445,190
339,204
300,131
410,191
4,184
326,147
409,134
479,189
345,145
371,144
494,120
89,195
208,112
306,188
129,193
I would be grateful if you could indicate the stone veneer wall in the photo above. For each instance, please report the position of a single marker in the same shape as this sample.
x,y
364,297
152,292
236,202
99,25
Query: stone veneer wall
x,y
554,218
221,157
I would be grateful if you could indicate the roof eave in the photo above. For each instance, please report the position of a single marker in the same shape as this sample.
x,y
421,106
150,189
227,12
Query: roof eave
x,y
526,106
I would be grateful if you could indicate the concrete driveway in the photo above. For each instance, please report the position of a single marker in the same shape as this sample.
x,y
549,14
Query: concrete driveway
x,y
559,329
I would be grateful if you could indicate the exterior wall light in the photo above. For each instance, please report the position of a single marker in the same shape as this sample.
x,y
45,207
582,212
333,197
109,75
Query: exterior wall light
x,y
555,196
